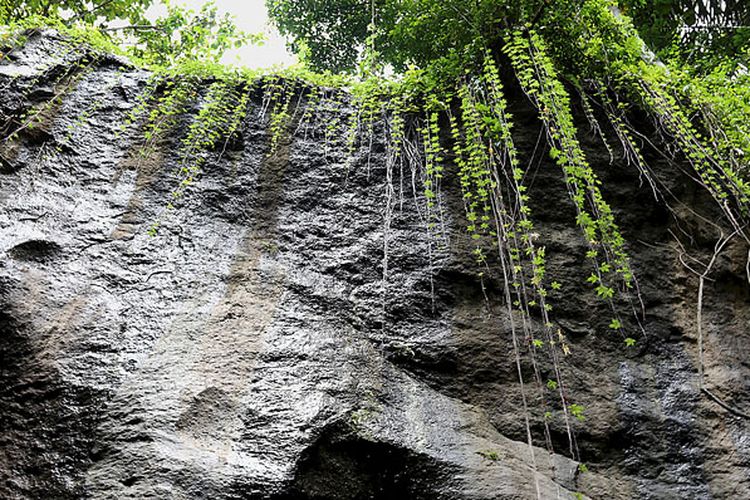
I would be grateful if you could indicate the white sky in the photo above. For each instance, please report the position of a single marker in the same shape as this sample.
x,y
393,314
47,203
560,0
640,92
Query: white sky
x,y
250,16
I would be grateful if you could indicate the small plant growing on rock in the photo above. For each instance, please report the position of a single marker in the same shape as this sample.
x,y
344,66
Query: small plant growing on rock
x,y
577,411
490,455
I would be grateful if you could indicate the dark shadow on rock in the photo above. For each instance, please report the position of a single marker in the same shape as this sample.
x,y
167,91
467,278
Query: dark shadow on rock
x,y
340,465
35,251
46,425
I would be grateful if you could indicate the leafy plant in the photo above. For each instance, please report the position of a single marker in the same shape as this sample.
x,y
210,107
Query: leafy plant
x,y
577,411
180,36
444,113
491,455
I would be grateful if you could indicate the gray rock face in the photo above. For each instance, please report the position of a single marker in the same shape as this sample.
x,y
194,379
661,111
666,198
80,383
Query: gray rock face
x,y
253,348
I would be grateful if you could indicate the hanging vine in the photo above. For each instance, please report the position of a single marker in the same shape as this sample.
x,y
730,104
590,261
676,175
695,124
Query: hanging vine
x,y
447,115
607,253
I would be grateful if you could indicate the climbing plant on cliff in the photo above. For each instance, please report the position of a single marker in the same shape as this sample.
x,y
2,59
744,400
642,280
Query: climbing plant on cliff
x,y
444,111
659,63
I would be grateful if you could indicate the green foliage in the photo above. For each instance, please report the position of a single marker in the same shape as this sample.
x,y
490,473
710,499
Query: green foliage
x,y
445,113
218,119
491,455
613,53
538,77
334,33
577,411
39,115
182,36
325,29
473,167
165,110
278,99
185,35
701,33
71,11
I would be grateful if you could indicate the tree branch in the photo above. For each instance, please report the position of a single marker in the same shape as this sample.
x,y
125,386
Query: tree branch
x,y
136,27
539,13
80,15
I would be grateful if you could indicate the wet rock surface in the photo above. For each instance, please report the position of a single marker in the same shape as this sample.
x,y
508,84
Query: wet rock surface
x,y
252,348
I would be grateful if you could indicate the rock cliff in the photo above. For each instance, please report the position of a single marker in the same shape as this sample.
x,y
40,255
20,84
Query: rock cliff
x,y
256,347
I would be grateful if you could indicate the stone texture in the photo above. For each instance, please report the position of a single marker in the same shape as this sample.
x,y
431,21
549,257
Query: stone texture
x,y
252,348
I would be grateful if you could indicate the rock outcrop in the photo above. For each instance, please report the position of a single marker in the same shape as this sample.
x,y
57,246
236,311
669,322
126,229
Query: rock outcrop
x,y
253,349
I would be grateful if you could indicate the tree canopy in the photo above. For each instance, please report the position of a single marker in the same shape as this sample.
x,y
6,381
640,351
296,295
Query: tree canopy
x,y
180,35
334,34
98,12
417,31
701,30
